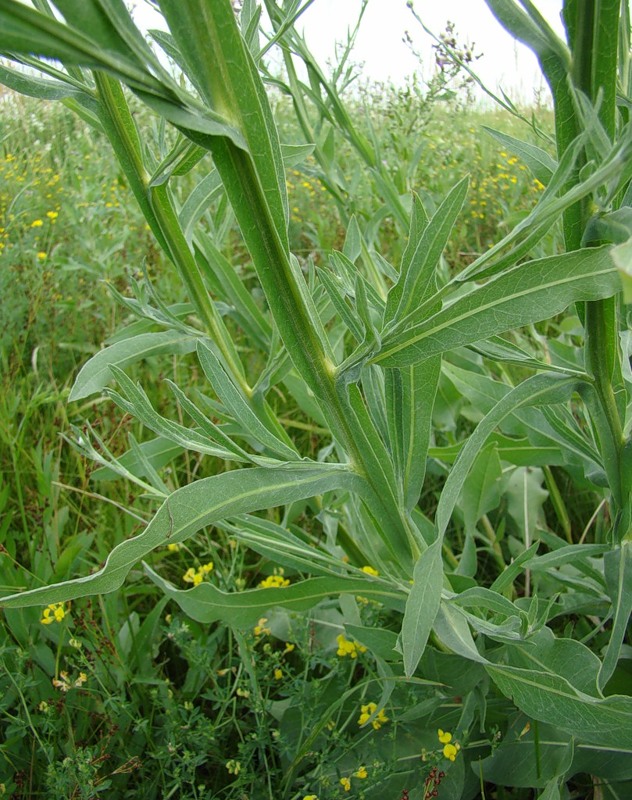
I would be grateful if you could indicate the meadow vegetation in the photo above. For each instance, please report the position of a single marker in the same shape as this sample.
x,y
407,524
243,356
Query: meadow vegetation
x,y
151,691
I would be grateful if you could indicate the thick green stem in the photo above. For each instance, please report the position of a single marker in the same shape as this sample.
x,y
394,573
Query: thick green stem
x,y
594,32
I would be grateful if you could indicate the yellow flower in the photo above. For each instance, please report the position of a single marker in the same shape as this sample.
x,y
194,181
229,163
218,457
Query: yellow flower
x,y
346,784
52,215
173,547
348,648
55,612
278,674
37,223
206,568
368,711
260,628
370,570
361,773
192,576
274,582
41,255
310,797
450,751
288,648
233,767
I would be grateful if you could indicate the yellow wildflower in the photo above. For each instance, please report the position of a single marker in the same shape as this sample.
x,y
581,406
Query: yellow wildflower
x,y
173,547
288,648
52,215
55,612
260,628
192,576
274,582
370,570
205,569
450,751
367,711
346,784
361,773
348,648
41,255
278,674
37,223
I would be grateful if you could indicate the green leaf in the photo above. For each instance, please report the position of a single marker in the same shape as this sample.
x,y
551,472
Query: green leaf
x,y
206,603
618,573
560,656
525,498
422,255
192,508
539,162
551,698
95,373
528,293
521,759
199,201
481,490
410,395
422,606
43,88
540,389
238,407
158,452
622,257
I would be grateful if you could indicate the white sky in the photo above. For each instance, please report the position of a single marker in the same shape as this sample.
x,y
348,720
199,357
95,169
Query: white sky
x,y
385,57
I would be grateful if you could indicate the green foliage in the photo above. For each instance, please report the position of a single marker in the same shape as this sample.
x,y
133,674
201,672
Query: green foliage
x,y
356,459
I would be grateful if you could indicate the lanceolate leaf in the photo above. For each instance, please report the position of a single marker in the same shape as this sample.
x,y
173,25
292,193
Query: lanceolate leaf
x,y
528,293
544,388
422,606
422,254
95,374
539,162
188,510
618,572
206,603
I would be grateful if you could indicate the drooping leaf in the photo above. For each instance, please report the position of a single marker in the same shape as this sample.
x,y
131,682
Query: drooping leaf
x,y
95,373
188,510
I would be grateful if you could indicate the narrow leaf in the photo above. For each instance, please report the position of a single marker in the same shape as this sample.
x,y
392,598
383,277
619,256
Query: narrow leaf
x,y
422,606
528,293
95,373
190,509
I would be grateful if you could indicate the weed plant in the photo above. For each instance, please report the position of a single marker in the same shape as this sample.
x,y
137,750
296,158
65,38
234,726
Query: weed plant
x,y
377,464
